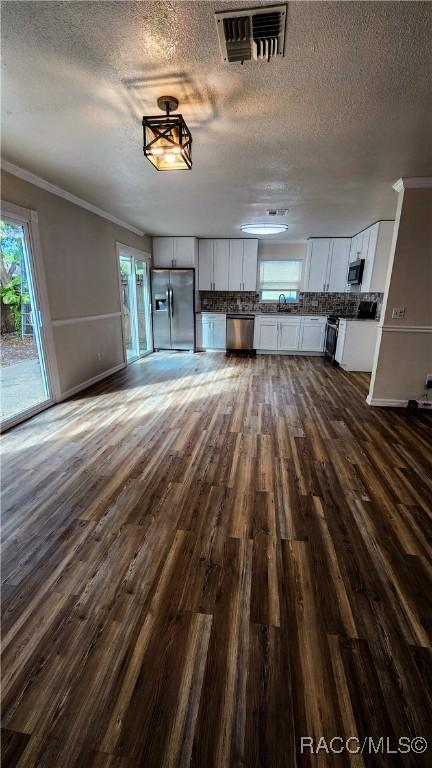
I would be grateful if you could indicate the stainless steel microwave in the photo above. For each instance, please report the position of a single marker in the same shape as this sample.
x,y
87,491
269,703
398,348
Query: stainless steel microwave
x,y
355,272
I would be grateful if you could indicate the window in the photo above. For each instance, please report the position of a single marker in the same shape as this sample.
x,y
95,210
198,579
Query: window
x,y
283,276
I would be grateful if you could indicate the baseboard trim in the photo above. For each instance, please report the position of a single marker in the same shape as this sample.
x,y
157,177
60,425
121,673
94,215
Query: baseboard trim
x,y
405,328
383,403
298,352
89,383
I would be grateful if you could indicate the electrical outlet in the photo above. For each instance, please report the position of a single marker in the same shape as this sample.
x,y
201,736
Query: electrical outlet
x,y
429,381
398,313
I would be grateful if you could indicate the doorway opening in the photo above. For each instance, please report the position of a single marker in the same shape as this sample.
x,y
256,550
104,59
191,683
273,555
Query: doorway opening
x,y
24,383
134,268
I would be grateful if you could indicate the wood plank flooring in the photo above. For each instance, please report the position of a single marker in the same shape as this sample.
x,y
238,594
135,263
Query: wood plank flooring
x,y
206,558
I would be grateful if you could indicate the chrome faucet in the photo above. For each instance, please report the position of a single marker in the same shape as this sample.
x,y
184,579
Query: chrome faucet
x,y
279,301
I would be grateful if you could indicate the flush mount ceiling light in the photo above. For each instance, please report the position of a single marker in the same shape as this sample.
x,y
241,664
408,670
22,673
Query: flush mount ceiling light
x,y
264,229
167,139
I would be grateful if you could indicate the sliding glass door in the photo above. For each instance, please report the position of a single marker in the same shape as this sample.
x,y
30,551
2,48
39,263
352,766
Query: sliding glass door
x,y
143,304
24,386
135,301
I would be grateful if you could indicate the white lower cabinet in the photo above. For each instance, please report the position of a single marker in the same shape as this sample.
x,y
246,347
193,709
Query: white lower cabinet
x,y
213,331
275,334
289,334
266,334
312,334
272,333
305,334
356,342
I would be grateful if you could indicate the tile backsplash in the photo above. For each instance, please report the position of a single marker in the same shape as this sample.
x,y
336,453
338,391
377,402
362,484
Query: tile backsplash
x,y
308,303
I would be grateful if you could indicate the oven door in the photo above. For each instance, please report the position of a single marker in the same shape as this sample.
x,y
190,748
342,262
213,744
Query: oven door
x,y
331,341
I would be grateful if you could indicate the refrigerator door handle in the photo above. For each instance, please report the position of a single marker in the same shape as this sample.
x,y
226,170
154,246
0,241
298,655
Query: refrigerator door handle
x,y
168,301
171,302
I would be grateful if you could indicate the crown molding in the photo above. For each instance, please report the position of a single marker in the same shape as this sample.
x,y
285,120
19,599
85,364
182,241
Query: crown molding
x,y
413,182
25,175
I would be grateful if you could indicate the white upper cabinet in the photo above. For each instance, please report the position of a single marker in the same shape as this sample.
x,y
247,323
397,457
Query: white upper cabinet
x,y
220,264
163,251
227,265
185,252
213,261
205,268
327,264
174,252
373,245
356,247
250,262
377,256
317,264
235,277
243,265
338,265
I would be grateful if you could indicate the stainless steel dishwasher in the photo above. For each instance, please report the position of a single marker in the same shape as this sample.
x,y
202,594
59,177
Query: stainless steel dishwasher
x,y
240,333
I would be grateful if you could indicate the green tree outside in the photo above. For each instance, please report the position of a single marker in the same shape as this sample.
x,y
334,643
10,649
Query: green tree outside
x,y
13,292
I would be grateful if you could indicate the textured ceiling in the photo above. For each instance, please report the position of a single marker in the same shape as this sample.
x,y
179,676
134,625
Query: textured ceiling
x,y
324,131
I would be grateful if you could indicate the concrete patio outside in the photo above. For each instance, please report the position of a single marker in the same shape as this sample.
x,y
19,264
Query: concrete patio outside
x,y
21,387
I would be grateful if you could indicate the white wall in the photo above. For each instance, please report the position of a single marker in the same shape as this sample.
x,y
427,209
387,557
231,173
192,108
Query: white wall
x,y
281,251
403,356
81,273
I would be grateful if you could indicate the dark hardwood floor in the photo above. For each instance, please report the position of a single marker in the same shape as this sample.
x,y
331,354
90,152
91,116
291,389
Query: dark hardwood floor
x,y
207,558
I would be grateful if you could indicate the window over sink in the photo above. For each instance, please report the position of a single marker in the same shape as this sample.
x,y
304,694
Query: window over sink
x,y
280,277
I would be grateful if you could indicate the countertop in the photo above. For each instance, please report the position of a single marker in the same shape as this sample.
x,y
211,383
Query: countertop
x,y
284,314
262,314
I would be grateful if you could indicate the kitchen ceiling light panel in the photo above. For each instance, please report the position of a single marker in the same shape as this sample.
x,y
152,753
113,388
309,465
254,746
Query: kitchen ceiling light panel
x,y
167,139
264,229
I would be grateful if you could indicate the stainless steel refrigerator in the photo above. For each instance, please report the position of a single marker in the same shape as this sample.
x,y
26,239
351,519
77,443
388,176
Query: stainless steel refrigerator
x,y
173,292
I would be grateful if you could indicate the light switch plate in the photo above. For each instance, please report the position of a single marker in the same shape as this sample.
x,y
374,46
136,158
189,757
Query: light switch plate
x,y
398,313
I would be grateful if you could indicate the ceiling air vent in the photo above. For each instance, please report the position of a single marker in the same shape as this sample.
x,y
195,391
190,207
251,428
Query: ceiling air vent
x,y
278,212
257,34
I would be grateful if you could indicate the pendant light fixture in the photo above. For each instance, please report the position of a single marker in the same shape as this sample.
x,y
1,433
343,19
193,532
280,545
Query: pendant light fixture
x,y
167,139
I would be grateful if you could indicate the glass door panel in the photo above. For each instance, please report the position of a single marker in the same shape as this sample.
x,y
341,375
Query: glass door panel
x,y
127,280
143,306
135,300
24,383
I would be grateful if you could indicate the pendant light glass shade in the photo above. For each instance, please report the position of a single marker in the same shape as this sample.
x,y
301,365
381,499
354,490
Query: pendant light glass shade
x,y
167,139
